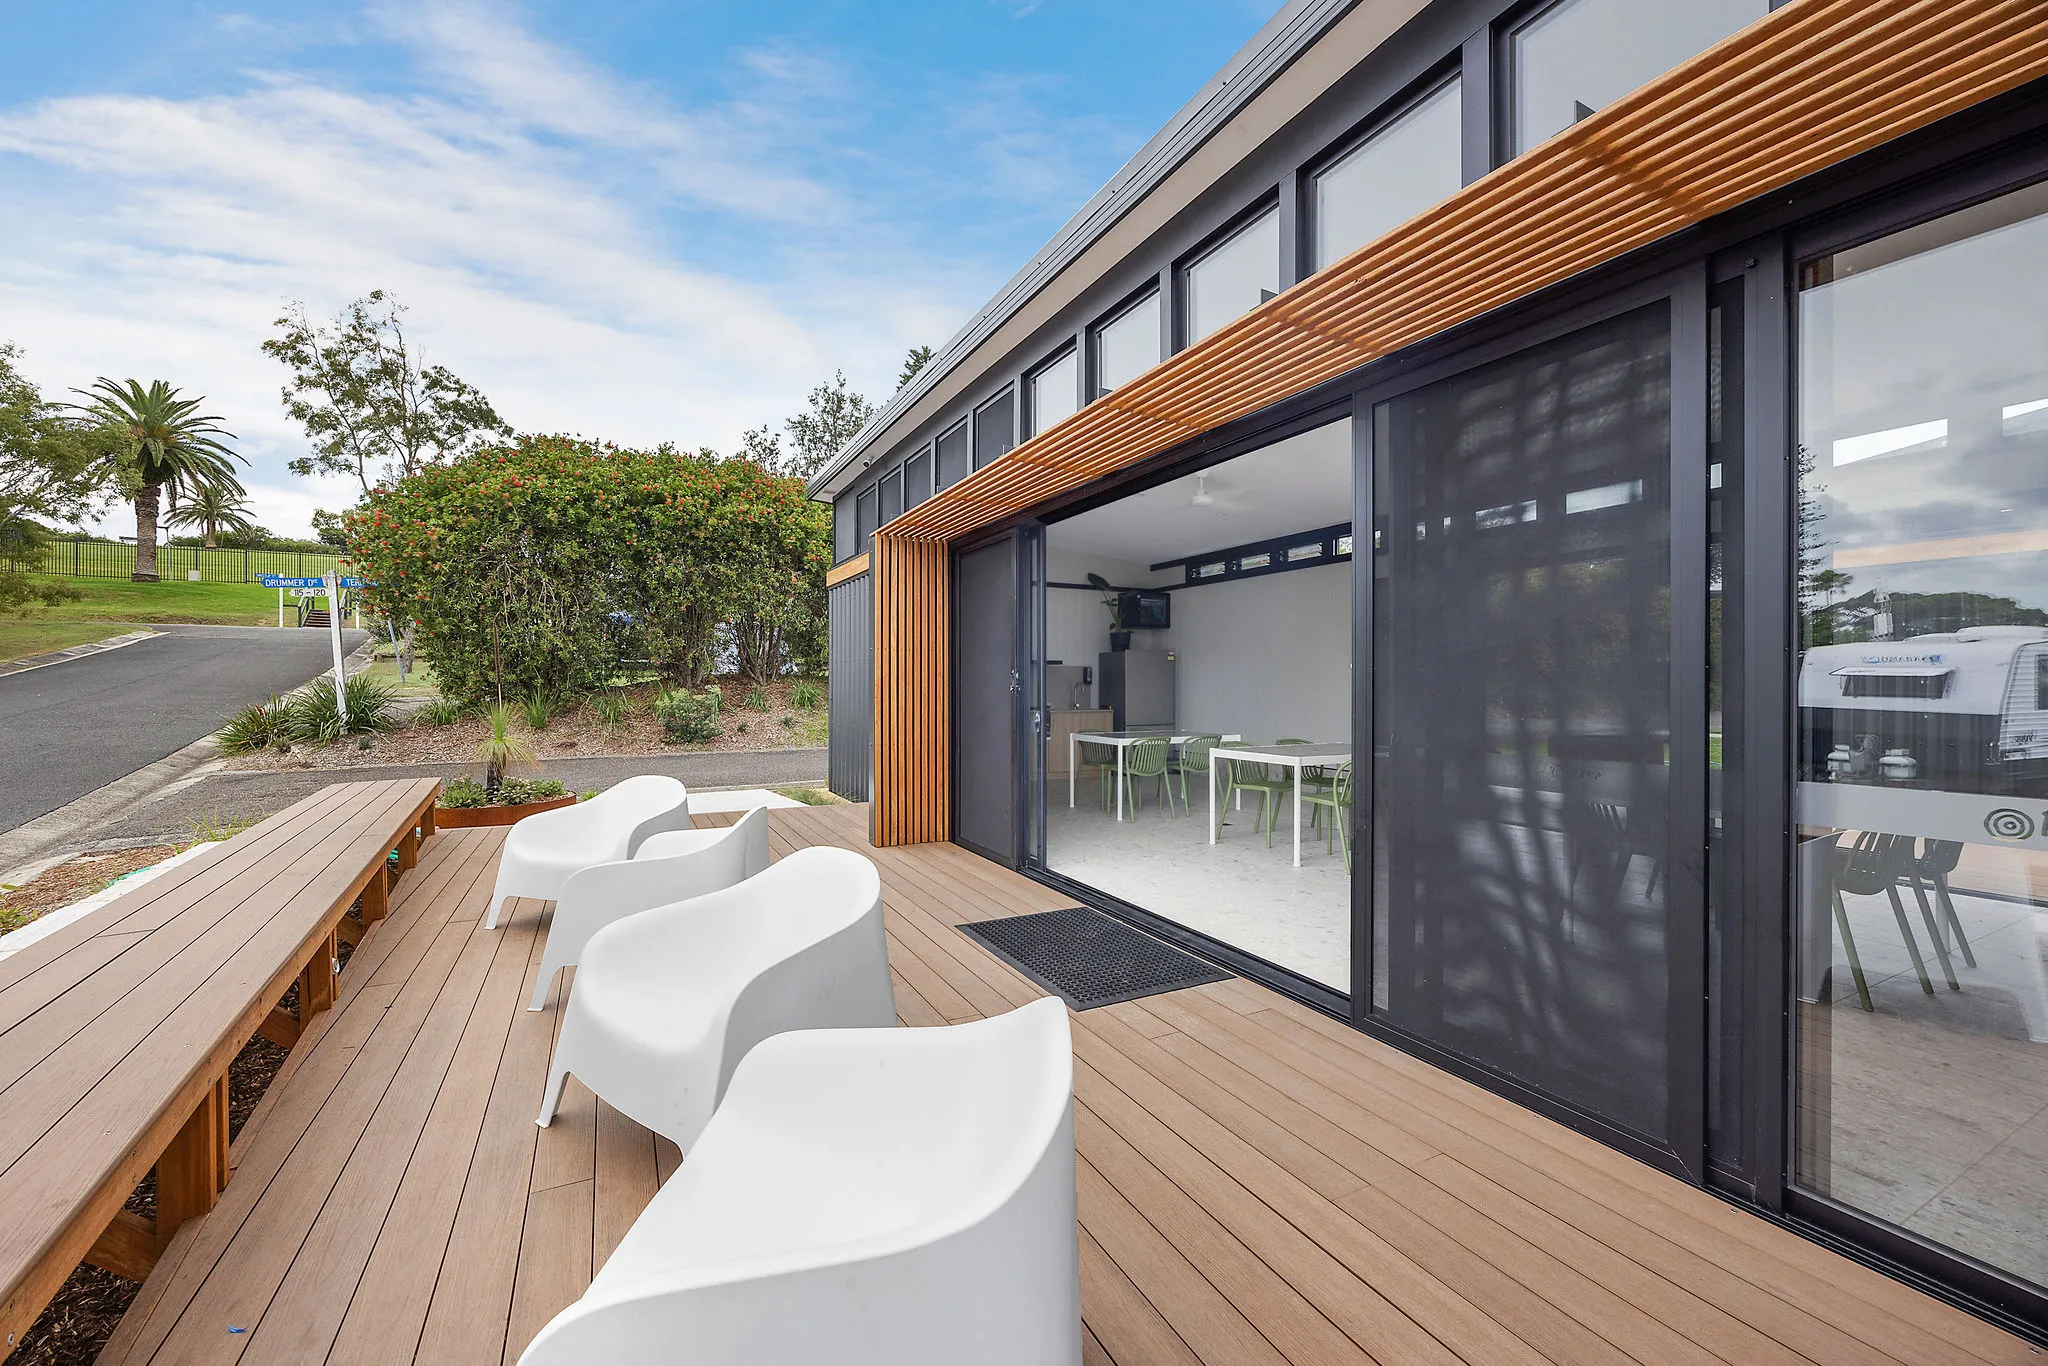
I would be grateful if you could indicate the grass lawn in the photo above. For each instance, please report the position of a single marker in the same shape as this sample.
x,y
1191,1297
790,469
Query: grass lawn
x,y
21,638
212,604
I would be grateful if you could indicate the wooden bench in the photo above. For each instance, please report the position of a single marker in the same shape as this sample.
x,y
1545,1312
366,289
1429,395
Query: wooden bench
x,y
116,1031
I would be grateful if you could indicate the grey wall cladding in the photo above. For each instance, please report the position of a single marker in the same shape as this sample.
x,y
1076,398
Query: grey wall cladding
x,y
851,607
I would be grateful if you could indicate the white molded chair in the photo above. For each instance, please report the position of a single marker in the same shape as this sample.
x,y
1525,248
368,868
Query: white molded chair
x,y
668,1001
542,850
673,866
862,1197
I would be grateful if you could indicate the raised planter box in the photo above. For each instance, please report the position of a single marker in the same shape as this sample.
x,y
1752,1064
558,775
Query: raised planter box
x,y
461,817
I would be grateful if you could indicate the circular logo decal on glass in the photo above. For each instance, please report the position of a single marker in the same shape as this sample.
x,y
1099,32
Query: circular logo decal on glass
x,y
2008,824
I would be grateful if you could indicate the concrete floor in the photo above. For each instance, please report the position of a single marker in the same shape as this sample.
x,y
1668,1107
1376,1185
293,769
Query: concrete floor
x,y
1938,1105
1237,890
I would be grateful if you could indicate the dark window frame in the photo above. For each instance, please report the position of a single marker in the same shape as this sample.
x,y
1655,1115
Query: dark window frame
x,y
1091,378
1027,389
1184,264
964,430
866,503
919,484
1006,394
1312,170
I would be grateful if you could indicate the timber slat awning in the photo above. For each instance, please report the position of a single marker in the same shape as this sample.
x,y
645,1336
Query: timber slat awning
x,y
1811,84
1804,88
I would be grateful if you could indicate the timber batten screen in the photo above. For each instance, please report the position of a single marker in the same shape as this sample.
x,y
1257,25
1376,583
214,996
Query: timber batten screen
x,y
913,691
1811,85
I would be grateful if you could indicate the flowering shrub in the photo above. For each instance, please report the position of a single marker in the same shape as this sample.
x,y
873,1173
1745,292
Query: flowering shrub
x,y
541,567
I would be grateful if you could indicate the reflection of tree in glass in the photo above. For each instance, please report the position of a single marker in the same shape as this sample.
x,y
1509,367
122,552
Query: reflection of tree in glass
x,y
1818,584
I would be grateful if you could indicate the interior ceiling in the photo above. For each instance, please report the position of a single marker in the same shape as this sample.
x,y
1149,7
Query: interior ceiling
x,y
1299,484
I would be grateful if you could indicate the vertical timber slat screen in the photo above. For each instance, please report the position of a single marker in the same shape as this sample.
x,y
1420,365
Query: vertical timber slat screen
x,y
913,800
1806,87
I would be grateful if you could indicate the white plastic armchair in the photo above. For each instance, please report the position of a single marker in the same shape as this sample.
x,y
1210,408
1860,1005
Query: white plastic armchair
x,y
668,1001
542,850
673,866
862,1197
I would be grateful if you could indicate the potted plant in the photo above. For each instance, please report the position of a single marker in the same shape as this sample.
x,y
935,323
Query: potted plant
x,y
466,802
1119,634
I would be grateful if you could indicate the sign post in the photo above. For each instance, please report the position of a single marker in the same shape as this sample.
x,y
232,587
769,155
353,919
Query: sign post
x,y
280,607
334,634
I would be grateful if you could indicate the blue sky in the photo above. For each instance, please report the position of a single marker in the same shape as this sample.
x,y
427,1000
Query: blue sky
x,y
640,221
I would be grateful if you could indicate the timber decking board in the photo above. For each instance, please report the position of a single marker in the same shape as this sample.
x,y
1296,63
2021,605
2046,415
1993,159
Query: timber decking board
x,y
1258,1183
115,1029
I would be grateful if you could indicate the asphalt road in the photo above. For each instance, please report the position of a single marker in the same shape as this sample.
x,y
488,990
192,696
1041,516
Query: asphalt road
x,y
70,728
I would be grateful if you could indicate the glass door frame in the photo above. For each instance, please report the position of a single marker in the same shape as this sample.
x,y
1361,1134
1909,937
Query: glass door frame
x,y
1937,1269
1685,289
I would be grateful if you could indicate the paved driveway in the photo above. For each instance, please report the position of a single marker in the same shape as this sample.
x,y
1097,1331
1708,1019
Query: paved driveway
x,y
73,727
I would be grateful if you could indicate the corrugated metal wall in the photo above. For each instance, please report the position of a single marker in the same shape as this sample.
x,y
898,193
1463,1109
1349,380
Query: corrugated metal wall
x,y
851,608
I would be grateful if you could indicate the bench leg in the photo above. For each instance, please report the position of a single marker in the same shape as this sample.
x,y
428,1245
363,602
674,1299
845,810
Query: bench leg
x,y
194,1169
316,981
376,898
427,824
408,851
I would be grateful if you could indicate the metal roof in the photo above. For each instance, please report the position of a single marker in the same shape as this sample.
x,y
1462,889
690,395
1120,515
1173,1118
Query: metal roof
x,y
1283,38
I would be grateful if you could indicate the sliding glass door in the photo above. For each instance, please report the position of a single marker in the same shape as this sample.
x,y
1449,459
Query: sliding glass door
x,y
1538,797
1921,981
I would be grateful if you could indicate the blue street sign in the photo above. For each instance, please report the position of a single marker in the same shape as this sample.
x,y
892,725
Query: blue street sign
x,y
287,581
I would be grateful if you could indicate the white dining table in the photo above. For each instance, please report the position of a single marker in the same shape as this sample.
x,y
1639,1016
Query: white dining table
x,y
1121,740
1296,757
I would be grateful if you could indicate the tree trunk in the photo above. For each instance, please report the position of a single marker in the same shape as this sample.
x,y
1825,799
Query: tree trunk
x,y
209,537
147,499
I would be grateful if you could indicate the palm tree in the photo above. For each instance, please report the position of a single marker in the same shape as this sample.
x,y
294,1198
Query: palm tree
x,y
214,508
165,443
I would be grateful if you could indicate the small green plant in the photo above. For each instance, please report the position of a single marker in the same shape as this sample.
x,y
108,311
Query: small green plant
x,y
686,717
740,729
520,791
586,796
501,748
312,717
464,793
787,720
806,695
443,711
255,727
610,709
213,825
809,796
537,709
757,700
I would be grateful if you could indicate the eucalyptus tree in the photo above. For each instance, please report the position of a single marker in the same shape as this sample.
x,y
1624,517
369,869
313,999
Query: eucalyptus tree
x,y
371,409
161,444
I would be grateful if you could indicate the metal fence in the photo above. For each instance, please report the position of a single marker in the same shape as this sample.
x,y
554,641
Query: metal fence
x,y
84,559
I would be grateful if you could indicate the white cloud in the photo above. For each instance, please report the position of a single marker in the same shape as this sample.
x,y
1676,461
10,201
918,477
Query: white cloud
x,y
564,239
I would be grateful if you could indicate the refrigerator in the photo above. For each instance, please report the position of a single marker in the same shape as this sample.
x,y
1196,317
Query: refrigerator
x,y
1137,687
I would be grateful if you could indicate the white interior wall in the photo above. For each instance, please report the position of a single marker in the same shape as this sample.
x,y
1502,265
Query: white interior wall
x,y
1267,657
1076,622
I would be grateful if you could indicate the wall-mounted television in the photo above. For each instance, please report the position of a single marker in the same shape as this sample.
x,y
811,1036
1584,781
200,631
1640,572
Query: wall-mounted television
x,y
1144,610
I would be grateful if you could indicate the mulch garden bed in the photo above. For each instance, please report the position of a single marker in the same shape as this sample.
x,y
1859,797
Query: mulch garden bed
x,y
56,888
779,725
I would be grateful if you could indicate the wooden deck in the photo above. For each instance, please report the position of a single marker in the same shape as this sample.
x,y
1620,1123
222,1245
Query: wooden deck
x,y
1258,1184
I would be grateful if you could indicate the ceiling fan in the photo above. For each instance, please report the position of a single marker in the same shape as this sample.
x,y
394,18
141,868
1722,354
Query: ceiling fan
x,y
1203,498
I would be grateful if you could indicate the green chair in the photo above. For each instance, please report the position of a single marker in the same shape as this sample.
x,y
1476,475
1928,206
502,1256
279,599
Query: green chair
x,y
1338,800
1245,775
1192,758
1146,759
